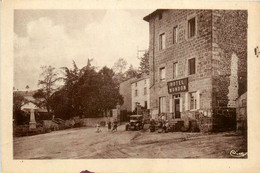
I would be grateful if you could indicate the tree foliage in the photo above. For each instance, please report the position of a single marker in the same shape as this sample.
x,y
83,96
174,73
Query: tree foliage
x,y
86,92
144,63
47,83
131,72
120,66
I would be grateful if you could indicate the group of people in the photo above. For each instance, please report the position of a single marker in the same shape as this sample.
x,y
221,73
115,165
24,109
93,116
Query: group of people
x,y
163,125
109,126
112,125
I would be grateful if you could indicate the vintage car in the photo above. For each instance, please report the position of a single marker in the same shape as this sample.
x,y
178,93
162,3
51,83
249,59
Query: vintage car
x,y
136,123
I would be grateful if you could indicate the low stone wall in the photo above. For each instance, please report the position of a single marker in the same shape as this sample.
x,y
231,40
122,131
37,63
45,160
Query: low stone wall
x,y
92,122
48,124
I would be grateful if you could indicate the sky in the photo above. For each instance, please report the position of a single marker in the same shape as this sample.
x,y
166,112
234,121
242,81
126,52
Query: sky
x,y
57,37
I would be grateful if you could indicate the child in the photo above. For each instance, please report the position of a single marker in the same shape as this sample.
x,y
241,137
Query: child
x,y
98,128
114,127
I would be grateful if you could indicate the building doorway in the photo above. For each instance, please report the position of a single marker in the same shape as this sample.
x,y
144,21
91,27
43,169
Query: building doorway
x,y
177,108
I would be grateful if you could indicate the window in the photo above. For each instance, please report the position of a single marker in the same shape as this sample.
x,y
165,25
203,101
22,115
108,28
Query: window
x,y
193,101
145,91
162,74
175,34
192,66
191,27
162,41
160,16
136,93
136,84
162,106
175,69
144,81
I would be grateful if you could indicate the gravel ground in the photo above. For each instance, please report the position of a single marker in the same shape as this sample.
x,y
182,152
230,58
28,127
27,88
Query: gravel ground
x,y
85,143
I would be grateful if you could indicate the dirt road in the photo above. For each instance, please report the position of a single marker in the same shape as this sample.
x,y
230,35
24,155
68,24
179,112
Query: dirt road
x,y
85,143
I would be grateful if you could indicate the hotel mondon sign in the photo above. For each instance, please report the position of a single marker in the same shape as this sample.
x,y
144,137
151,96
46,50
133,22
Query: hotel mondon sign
x,y
179,85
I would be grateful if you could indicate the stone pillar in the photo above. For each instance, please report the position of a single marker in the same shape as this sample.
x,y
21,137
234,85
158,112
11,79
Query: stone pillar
x,y
32,123
233,87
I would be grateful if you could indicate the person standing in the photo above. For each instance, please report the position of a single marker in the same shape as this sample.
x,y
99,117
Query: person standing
x,y
109,125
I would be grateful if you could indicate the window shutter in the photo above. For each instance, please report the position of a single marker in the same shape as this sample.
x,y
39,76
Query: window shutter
x,y
198,99
186,101
170,105
180,104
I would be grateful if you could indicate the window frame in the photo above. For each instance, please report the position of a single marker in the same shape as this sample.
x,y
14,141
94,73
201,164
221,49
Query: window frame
x,y
145,91
163,105
160,74
194,102
175,69
195,66
162,44
188,27
136,93
175,35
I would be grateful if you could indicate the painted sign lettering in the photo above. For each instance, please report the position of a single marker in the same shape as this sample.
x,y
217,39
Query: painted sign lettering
x,y
179,85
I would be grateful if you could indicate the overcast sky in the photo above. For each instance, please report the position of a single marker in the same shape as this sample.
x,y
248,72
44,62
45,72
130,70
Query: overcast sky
x,y
56,37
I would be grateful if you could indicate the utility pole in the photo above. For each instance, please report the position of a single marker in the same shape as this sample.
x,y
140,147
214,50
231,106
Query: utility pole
x,y
140,51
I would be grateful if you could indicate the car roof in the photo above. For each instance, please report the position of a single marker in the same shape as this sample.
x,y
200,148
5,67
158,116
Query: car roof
x,y
136,115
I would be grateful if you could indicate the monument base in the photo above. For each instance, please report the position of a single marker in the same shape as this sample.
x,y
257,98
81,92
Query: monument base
x,y
32,125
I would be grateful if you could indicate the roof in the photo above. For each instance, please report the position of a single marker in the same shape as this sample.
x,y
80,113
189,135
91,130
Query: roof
x,y
129,80
141,78
149,16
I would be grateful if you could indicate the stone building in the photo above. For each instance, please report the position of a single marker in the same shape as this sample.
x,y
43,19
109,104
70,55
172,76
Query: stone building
x,y
198,64
141,92
125,91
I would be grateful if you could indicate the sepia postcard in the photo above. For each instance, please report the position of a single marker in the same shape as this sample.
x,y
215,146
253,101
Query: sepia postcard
x,y
130,86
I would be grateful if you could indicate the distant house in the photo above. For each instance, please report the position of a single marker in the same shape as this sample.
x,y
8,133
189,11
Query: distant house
x,y
125,91
31,105
141,92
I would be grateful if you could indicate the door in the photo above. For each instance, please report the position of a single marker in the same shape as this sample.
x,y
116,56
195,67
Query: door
x,y
177,108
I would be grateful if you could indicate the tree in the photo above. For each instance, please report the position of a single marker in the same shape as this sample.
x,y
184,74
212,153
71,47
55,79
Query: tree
x,y
131,72
86,93
120,66
109,95
144,63
27,87
49,77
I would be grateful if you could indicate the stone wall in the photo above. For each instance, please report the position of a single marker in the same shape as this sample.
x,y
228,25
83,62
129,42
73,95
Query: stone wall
x,y
199,47
125,91
229,56
220,50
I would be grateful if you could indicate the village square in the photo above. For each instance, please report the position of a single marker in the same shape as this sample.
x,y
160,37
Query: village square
x,y
181,94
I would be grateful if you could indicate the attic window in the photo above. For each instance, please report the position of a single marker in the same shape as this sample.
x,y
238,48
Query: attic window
x,y
160,16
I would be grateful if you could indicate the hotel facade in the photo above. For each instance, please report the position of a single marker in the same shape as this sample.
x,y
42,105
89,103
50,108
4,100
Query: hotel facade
x,y
198,65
